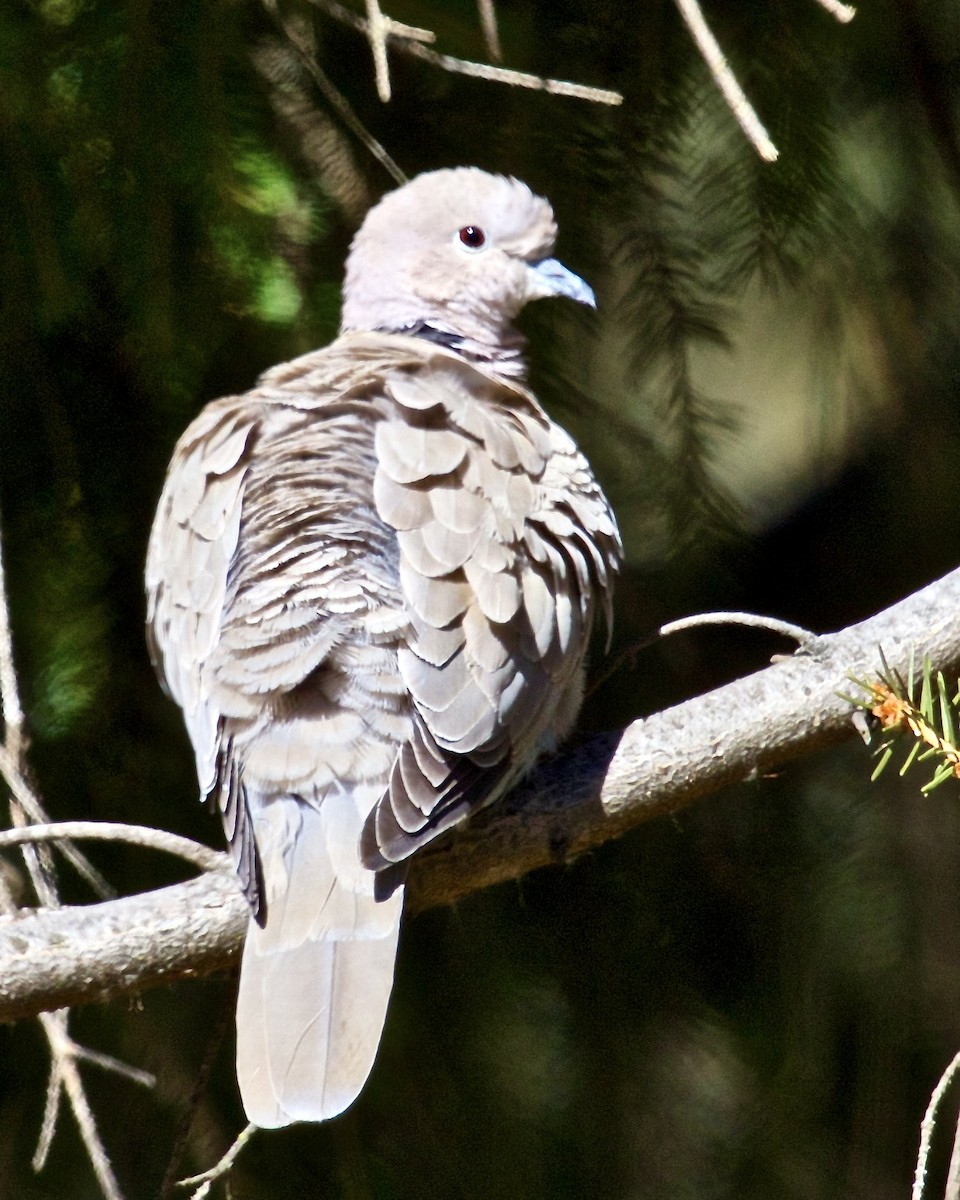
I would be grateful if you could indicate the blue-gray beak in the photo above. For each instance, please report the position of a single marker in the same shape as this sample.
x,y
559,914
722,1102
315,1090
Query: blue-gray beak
x,y
551,278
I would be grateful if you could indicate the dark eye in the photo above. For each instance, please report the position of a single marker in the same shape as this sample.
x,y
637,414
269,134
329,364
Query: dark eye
x,y
472,236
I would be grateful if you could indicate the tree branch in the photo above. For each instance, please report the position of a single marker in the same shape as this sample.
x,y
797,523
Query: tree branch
x,y
588,795
411,41
726,81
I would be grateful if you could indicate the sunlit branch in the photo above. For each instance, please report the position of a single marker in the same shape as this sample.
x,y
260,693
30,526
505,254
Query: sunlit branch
x,y
300,37
32,808
573,803
377,37
378,29
928,1125
803,637
491,34
726,81
843,12
64,1074
9,692
208,1178
200,856
463,66
555,87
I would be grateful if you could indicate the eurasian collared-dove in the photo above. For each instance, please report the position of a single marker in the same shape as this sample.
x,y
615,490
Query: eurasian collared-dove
x,y
371,582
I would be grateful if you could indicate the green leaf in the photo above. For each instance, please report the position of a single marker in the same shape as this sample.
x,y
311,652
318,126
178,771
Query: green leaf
x,y
946,713
910,759
941,776
884,759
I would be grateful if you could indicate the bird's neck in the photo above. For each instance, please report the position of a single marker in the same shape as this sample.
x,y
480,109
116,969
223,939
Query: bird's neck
x,y
504,357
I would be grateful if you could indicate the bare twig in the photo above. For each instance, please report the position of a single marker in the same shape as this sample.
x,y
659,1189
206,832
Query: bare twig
x,y
325,144
24,806
463,66
38,863
32,808
200,1083
13,760
488,23
379,28
377,37
65,1069
199,855
843,12
208,1178
9,693
726,81
51,1104
106,1062
803,637
952,1190
66,1047
555,87
928,1125
300,36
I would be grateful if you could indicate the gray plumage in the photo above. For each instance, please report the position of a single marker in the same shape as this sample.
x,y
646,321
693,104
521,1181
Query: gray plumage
x,y
371,582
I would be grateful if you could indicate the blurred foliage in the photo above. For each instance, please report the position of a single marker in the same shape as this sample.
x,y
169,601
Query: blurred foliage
x,y
752,999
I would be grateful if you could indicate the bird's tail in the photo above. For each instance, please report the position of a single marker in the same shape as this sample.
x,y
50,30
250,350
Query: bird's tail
x,y
316,978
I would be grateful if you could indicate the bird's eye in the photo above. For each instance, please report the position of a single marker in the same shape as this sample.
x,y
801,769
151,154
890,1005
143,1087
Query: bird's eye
x,y
472,236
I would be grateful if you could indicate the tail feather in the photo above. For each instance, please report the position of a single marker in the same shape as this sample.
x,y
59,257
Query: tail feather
x,y
315,980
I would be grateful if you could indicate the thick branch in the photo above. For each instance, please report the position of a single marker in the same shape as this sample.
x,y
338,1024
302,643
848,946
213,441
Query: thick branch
x,y
53,958
576,801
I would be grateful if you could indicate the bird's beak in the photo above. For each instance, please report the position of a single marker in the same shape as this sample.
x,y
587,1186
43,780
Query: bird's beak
x,y
551,278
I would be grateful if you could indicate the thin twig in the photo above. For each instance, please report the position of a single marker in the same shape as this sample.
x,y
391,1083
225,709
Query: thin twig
x,y
64,1076
199,855
66,1046
9,693
51,1109
38,862
33,808
928,1124
25,805
803,637
106,1062
300,37
843,12
13,758
13,761
207,1178
377,37
200,1084
463,66
726,81
325,143
55,1027
488,23
379,29
556,87
952,1190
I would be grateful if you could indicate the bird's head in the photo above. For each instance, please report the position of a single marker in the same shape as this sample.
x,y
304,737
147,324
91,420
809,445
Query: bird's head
x,y
457,251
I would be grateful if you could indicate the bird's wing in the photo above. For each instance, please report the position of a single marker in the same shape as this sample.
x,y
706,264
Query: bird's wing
x,y
192,545
273,616
506,546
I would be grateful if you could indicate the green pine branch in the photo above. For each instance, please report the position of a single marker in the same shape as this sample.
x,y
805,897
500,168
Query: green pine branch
x,y
927,722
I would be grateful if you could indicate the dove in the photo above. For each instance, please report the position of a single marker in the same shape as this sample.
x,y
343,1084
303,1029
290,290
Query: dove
x,y
371,583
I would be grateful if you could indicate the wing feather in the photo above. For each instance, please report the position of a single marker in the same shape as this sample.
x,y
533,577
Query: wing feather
x,y
501,585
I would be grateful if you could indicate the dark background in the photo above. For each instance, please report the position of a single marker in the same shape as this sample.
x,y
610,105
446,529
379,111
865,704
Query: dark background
x,y
752,999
